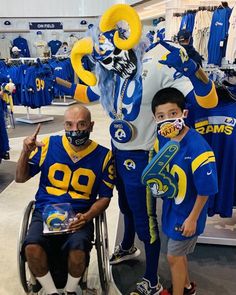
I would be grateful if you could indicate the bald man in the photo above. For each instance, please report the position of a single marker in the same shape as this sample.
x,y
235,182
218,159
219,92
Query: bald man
x,y
75,170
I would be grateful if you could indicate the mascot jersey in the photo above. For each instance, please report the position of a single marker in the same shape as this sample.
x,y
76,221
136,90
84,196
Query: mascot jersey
x,y
218,126
138,95
69,176
194,168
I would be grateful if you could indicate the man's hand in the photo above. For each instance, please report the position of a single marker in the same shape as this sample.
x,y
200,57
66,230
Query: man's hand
x,y
30,143
178,59
78,222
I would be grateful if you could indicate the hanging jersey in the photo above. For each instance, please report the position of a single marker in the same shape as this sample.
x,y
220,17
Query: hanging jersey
x,y
5,46
231,44
41,47
69,176
22,44
54,46
218,126
194,168
218,35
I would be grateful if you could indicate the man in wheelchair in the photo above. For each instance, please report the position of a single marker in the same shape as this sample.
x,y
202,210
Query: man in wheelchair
x,y
74,170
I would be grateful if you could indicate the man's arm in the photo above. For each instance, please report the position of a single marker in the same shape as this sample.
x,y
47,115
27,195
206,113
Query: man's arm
x,y
190,223
96,209
22,168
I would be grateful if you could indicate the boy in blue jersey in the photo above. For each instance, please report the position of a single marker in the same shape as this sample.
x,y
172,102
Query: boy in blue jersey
x,y
194,168
75,170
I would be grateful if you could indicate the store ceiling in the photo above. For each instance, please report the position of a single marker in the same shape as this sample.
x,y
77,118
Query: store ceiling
x,y
151,8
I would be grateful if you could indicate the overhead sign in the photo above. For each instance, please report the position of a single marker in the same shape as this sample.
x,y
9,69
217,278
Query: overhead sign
x,y
46,26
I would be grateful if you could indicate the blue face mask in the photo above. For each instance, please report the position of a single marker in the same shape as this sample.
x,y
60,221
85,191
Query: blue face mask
x,y
77,138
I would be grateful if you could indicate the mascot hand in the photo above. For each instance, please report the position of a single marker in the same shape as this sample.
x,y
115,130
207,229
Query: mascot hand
x,y
8,88
178,59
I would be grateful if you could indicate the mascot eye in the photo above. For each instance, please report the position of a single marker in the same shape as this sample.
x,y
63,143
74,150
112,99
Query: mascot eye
x,y
107,61
117,51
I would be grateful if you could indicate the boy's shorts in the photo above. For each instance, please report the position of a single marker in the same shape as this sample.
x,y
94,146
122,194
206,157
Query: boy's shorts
x,y
178,248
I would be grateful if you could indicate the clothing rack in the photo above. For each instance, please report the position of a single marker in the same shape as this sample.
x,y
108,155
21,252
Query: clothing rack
x,y
32,118
64,100
219,231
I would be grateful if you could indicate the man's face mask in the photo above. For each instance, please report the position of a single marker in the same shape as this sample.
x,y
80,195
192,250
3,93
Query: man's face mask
x,y
78,137
170,128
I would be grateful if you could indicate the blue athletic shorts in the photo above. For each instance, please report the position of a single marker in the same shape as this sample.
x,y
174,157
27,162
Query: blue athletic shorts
x,y
62,244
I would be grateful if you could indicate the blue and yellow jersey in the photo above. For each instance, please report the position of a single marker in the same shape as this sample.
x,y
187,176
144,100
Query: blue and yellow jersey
x,y
69,176
218,127
194,168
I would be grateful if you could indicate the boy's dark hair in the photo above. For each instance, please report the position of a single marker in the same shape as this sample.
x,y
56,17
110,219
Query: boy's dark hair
x,y
168,95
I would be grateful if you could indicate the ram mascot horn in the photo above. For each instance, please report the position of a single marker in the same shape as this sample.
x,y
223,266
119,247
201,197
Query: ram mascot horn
x,y
108,22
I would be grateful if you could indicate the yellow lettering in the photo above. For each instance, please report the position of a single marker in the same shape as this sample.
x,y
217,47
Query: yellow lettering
x,y
228,130
215,129
201,130
209,129
62,184
84,188
111,171
39,84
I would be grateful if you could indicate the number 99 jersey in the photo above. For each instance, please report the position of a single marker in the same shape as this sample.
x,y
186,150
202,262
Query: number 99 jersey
x,y
71,177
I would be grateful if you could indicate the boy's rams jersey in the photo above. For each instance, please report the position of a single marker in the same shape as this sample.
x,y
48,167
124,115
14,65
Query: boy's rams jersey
x,y
69,176
194,168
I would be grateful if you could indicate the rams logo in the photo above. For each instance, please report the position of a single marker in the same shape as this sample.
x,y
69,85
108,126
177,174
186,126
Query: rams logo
x,y
129,164
157,187
119,134
56,220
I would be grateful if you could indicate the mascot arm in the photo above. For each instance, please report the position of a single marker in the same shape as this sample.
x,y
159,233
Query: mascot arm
x,y
80,92
204,89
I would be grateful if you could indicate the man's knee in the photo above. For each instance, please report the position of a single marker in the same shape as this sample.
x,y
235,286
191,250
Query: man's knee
x,y
77,261
34,251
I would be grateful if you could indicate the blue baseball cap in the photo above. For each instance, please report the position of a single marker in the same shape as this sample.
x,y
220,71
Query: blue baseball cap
x,y
183,35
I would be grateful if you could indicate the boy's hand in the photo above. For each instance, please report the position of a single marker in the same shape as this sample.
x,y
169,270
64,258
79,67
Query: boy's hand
x,y
189,227
30,143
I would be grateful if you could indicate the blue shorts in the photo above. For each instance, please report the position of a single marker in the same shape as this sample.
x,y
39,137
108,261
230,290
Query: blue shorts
x,y
58,244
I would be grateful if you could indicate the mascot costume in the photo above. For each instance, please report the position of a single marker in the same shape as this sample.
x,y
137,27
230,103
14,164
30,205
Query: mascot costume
x,y
125,78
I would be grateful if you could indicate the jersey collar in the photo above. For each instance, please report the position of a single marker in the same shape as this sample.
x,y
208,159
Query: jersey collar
x,y
76,156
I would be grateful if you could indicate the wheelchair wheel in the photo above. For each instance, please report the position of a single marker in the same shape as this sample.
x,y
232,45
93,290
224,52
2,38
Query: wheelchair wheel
x,y
102,246
28,282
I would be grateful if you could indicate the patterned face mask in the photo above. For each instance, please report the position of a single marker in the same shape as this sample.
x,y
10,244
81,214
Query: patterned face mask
x,y
77,138
170,128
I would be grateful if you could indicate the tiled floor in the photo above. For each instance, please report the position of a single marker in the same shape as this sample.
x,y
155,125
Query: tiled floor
x,y
16,196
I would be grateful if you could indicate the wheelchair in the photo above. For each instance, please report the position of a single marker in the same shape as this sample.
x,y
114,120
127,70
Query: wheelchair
x,y
32,287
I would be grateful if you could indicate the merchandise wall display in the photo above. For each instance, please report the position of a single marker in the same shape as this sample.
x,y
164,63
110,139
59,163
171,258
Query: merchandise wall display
x,y
213,31
33,88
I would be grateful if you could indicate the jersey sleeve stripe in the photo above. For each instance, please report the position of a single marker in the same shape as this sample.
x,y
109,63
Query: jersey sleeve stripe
x,y
44,151
202,159
33,153
110,185
81,93
106,160
208,101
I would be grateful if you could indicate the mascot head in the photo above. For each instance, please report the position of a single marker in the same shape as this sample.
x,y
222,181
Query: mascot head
x,y
112,49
